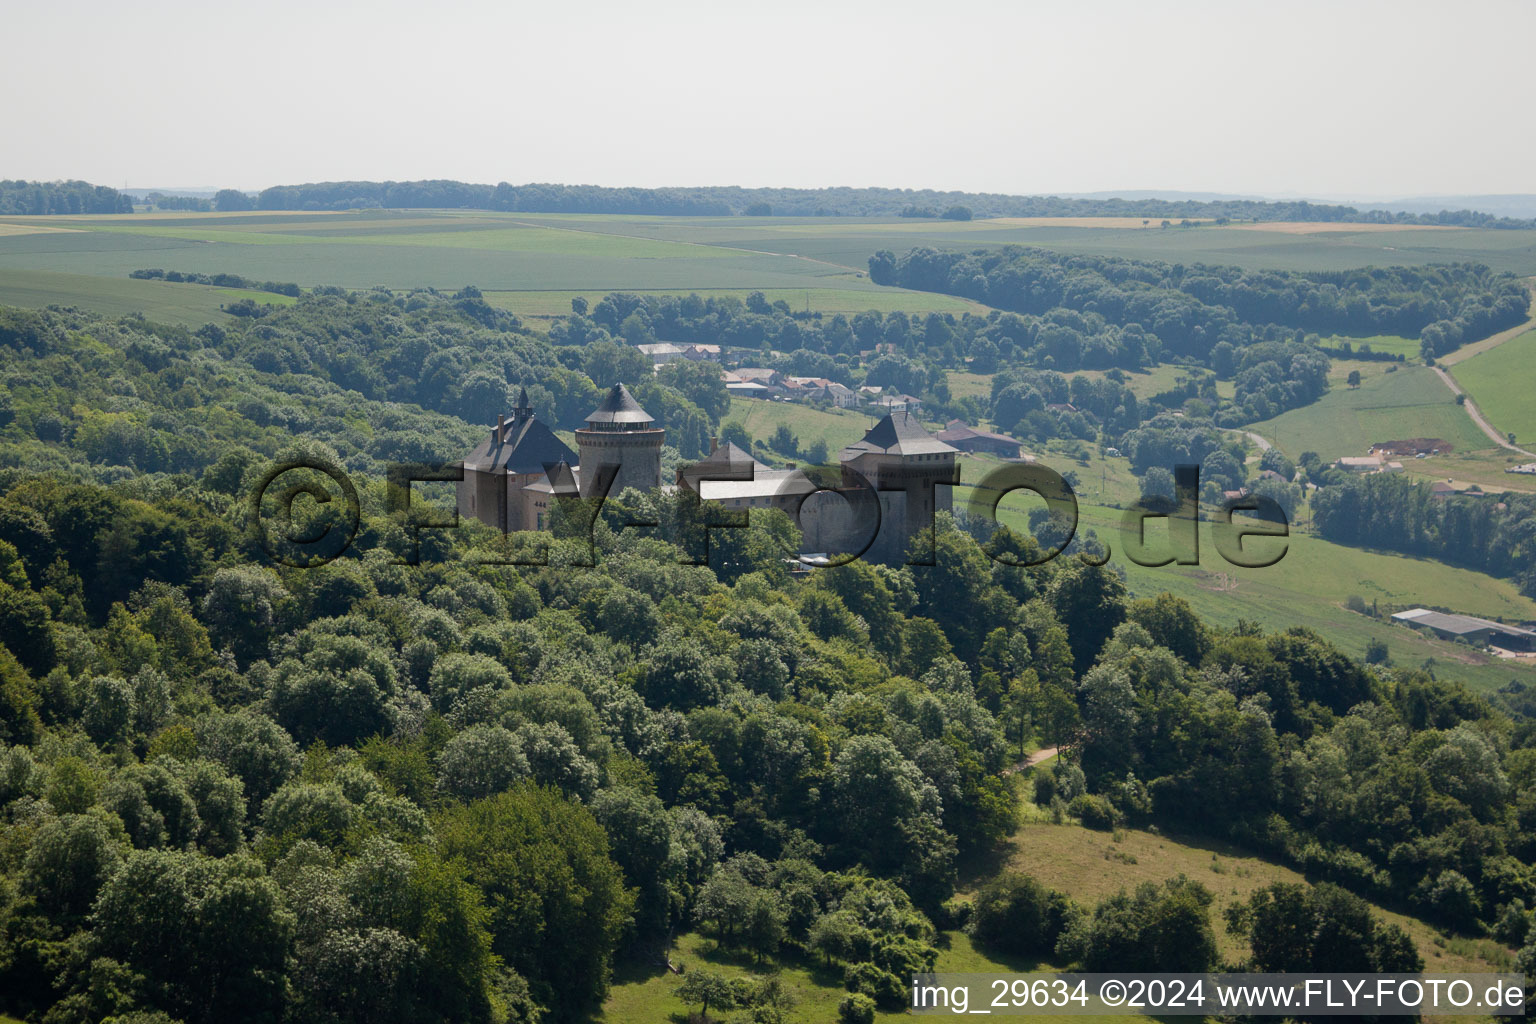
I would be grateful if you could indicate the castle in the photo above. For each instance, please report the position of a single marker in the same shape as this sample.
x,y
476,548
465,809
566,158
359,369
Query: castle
x,y
513,477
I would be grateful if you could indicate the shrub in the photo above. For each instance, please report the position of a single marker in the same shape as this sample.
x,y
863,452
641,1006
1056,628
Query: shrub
x,y
857,1008
1094,812
1016,914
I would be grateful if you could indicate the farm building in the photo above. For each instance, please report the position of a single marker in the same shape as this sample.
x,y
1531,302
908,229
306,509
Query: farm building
x,y
760,374
1476,631
961,435
897,402
666,352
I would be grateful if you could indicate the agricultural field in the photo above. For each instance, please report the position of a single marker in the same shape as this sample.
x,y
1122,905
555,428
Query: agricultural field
x,y
535,263
441,250
848,241
188,304
1502,381
1409,402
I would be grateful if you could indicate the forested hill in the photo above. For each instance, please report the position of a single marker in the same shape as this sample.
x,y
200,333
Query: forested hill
x,y
458,790
730,200
44,197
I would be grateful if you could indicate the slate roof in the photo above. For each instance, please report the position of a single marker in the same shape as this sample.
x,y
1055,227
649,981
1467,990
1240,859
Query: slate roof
x,y
558,480
899,433
619,407
959,430
526,445
728,458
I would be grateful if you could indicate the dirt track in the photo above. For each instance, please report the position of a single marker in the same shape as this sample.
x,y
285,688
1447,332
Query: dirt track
x,y
1477,415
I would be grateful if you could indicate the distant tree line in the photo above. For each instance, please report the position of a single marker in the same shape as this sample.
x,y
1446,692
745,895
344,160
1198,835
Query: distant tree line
x,y
218,280
191,204
723,200
60,197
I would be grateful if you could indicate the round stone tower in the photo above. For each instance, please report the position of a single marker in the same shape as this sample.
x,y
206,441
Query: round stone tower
x,y
620,438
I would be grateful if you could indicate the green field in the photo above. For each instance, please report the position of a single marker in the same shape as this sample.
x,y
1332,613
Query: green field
x,y
837,427
189,304
536,262
848,241
1411,402
1408,348
1502,381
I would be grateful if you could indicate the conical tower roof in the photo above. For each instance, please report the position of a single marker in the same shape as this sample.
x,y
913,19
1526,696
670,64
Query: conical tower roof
x,y
899,433
619,408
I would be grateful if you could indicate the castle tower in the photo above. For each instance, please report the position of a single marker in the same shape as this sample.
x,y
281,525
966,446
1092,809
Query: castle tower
x,y
910,469
621,436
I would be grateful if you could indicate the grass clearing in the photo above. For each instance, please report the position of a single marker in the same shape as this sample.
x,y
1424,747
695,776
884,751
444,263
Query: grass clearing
x,y
969,385
1092,865
837,427
1089,865
1397,345
1408,402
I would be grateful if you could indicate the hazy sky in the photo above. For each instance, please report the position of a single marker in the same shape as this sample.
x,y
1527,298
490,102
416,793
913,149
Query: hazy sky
x,y
1324,98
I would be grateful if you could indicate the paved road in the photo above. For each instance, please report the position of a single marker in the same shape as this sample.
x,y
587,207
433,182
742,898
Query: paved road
x,y
1477,415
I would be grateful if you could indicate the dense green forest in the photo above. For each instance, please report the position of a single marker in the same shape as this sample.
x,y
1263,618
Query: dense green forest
x,y
45,197
459,790
1195,309
725,201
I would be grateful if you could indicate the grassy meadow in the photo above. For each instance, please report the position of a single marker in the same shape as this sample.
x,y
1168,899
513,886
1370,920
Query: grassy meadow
x,y
1090,865
1500,381
837,427
1409,402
